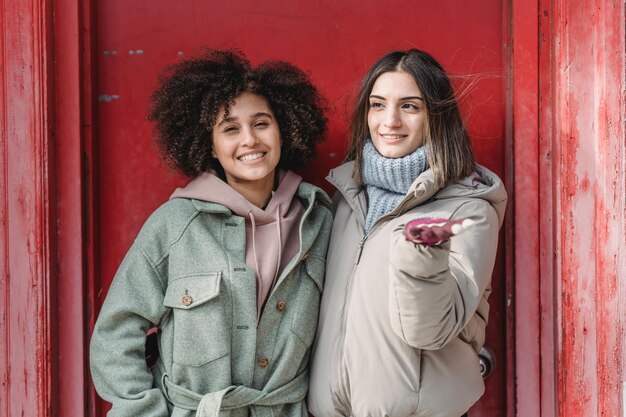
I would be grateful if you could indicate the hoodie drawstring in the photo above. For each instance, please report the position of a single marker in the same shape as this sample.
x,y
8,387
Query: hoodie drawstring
x,y
279,254
259,281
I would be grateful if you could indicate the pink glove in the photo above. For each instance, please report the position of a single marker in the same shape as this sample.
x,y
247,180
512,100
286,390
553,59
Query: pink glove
x,y
432,231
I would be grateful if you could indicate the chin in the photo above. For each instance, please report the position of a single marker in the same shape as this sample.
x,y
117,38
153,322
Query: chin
x,y
394,153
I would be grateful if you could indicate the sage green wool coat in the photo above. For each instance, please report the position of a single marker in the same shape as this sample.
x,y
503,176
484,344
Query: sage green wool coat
x,y
186,274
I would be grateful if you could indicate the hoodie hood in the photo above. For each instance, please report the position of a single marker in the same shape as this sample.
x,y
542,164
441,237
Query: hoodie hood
x,y
272,234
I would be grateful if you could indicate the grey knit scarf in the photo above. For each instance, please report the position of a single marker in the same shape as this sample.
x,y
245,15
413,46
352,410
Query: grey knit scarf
x,y
387,180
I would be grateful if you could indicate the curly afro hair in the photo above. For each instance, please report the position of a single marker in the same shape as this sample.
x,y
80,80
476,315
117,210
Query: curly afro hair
x,y
191,93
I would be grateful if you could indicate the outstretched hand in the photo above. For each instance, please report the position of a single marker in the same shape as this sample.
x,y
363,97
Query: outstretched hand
x,y
434,231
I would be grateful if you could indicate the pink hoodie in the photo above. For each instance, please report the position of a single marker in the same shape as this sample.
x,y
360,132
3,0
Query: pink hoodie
x,y
272,235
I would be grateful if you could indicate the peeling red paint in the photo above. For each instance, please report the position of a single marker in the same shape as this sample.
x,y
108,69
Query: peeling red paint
x,y
27,255
582,108
591,353
584,184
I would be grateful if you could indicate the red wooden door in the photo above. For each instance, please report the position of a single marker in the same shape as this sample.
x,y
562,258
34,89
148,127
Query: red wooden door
x,y
335,42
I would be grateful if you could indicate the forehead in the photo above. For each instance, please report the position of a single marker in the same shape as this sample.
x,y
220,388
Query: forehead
x,y
246,104
395,84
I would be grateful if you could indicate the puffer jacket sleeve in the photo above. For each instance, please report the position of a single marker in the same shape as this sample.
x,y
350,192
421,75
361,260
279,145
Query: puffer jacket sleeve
x,y
133,305
436,291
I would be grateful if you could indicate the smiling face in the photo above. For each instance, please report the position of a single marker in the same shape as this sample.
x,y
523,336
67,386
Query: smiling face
x,y
397,117
247,142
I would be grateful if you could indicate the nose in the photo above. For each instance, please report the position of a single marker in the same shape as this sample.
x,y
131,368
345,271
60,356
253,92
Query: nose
x,y
392,118
249,138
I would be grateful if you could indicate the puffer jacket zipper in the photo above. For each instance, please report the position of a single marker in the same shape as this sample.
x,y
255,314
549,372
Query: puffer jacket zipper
x,y
343,381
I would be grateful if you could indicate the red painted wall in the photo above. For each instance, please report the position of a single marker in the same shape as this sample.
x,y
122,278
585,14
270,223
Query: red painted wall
x,y
335,43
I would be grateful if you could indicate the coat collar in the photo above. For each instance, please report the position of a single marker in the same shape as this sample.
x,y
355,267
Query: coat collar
x,y
422,189
483,184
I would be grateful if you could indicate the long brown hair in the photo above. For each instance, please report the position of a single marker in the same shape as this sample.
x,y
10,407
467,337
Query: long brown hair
x,y
450,154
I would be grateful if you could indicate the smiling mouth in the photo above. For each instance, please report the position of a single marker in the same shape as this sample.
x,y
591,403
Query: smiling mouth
x,y
251,156
391,138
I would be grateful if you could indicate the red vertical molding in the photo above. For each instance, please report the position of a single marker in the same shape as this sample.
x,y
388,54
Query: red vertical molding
x,y
574,118
72,33
526,188
44,207
27,258
587,115
548,190
509,220
610,205
4,233
89,181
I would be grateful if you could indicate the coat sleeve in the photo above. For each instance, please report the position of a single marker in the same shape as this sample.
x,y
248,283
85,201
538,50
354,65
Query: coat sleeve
x,y
133,305
436,291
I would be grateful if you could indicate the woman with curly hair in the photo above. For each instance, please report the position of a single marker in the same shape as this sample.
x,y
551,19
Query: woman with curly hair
x,y
231,268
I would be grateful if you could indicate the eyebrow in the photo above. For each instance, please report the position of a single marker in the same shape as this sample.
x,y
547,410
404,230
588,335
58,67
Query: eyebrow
x,y
254,116
402,98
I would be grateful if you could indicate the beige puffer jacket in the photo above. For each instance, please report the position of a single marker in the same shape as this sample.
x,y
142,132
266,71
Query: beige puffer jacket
x,y
400,325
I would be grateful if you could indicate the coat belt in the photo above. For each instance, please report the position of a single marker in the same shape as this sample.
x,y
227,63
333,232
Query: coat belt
x,y
235,396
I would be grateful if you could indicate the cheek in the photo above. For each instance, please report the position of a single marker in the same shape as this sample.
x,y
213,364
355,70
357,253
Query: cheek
x,y
217,150
278,147
371,123
220,150
424,130
371,118
420,126
278,139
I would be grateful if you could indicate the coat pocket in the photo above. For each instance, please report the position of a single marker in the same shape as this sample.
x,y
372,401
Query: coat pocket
x,y
201,331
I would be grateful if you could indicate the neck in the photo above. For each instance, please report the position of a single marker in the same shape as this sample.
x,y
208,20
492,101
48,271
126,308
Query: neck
x,y
257,192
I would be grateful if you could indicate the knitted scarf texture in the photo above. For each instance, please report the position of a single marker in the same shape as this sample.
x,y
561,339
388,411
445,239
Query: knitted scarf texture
x,y
387,180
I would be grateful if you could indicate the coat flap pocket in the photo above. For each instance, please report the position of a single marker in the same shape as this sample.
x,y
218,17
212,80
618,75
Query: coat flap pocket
x,y
191,291
315,268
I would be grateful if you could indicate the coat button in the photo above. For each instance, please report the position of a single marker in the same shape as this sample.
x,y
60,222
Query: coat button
x,y
263,362
187,300
281,305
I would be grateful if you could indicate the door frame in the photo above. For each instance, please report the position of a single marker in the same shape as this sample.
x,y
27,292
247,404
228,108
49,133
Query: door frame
x,y
47,203
46,207
62,42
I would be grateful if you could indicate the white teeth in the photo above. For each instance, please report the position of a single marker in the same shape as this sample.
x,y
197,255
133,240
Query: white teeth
x,y
392,136
251,157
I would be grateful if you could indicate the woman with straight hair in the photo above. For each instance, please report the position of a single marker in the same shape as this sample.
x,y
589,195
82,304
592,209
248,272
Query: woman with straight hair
x,y
230,269
412,250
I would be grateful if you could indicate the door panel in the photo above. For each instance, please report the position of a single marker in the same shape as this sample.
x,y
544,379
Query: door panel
x,y
333,41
